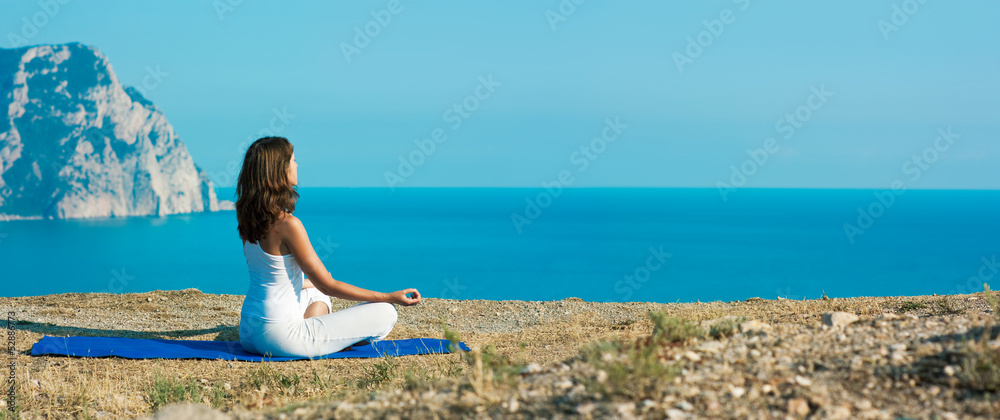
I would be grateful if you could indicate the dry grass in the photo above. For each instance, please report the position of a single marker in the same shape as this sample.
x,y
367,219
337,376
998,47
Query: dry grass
x,y
79,387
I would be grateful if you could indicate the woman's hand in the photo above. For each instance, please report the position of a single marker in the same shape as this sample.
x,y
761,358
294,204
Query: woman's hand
x,y
400,297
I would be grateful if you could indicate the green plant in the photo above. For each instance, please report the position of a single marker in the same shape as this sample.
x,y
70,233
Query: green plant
x,y
726,327
668,329
980,362
265,376
637,369
165,391
378,373
991,300
910,306
945,306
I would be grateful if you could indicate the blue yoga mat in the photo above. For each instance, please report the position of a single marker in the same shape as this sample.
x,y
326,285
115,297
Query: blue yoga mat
x,y
134,348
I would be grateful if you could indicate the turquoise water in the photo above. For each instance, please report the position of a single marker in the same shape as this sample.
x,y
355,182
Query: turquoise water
x,y
661,245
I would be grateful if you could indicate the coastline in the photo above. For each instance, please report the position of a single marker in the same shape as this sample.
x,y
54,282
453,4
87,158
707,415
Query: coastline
x,y
781,360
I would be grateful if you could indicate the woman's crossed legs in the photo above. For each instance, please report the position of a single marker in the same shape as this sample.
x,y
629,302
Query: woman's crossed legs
x,y
320,335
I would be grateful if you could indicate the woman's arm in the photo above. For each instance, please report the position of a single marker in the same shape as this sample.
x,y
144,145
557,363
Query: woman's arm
x,y
293,234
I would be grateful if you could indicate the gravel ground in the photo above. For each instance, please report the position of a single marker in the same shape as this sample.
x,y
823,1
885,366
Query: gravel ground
x,y
893,357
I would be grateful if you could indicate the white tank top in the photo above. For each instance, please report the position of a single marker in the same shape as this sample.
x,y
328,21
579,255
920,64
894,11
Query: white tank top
x,y
275,286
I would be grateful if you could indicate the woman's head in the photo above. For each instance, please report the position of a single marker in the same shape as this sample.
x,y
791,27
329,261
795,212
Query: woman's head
x,y
265,186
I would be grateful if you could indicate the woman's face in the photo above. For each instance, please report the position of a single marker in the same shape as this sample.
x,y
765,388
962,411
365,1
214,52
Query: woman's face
x,y
293,171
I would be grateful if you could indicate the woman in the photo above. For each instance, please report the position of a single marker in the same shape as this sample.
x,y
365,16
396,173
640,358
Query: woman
x,y
285,314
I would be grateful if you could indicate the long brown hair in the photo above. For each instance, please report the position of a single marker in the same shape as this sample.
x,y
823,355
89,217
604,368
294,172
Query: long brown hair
x,y
263,192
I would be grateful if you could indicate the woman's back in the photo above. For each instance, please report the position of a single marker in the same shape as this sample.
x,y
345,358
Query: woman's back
x,y
275,285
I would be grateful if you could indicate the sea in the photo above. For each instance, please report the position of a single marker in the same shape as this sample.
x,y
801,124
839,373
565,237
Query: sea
x,y
597,244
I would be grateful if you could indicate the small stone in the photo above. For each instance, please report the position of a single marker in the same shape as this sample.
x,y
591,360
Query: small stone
x,y
648,404
798,407
675,414
149,299
227,386
949,371
766,389
188,411
898,347
531,368
934,390
3,403
840,412
684,405
711,347
753,325
564,384
602,376
513,405
737,391
972,298
692,356
947,415
626,410
34,383
839,319
803,381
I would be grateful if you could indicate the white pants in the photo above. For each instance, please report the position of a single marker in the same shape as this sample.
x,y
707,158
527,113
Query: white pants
x,y
319,335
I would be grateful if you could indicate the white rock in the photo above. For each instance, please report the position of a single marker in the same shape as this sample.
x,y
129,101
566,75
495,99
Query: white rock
x,y
531,368
513,405
692,356
92,149
684,405
711,347
188,412
753,325
675,414
803,381
839,319
737,391
949,370
602,376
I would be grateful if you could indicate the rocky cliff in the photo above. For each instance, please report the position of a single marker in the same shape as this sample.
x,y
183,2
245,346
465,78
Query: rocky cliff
x,y
75,143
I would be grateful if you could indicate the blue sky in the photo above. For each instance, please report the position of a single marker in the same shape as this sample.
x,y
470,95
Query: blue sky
x,y
352,120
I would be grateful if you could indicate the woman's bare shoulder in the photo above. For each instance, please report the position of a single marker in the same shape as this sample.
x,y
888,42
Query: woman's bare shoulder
x,y
287,222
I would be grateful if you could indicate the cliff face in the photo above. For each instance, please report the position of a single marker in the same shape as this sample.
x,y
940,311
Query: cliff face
x,y
75,143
